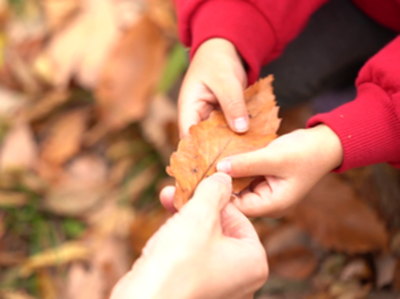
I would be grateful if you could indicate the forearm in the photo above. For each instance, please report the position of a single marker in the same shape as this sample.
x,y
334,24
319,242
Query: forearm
x,y
369,126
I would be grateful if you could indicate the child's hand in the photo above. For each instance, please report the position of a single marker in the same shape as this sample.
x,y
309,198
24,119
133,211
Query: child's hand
x,y
215,77
208,249
291,165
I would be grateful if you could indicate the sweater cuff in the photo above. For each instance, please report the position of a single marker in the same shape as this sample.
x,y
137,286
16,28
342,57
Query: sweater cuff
x,y
368,128
240,23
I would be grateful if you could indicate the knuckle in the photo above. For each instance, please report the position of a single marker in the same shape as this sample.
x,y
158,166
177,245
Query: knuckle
x,y
262,270
241,166
234,106
216,188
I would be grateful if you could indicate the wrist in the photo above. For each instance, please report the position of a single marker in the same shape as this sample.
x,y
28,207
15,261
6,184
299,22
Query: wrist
x,y
329,146
224,51
152,281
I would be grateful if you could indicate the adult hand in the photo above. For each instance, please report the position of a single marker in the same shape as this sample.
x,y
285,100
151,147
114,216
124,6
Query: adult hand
x,y
216,76
206,250
291,165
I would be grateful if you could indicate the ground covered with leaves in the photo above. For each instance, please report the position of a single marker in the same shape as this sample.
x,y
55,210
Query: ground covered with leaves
x,y
88,114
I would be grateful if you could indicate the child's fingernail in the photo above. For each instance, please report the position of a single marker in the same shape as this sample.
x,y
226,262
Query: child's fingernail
x,y
224,166
241,124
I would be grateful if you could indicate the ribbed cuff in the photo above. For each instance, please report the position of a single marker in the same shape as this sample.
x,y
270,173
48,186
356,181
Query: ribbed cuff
x,y
240,23
368,128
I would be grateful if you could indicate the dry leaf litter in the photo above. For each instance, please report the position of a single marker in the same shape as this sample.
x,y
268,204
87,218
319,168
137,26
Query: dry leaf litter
x,y
87,126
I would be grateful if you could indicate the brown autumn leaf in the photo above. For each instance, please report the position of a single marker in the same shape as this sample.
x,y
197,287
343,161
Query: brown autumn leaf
x,y
15,295
11,102
109,261
46,104
212,140
385,266
63,254
130,74
80,189
160,121
144,226
112,217
59,12
396,277
47,285
19,148
65,136
13,199
357,269
81,47
290,253
339,220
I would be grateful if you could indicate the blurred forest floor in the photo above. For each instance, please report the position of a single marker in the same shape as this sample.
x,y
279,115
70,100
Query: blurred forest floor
x,y
88,93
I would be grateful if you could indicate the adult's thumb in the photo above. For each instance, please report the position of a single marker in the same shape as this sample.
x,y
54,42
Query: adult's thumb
x,y
211,195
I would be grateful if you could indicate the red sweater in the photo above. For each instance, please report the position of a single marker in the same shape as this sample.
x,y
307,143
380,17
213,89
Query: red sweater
x,y
369,126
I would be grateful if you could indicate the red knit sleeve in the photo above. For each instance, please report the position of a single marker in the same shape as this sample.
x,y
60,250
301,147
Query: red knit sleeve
x,y
369,126
260,29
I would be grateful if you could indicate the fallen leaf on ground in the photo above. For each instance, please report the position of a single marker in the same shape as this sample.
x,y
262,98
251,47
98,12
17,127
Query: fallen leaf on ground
x,y
19,149
13,199
83,186
385,266
39,109
396,278
162,12
329,270
135,186
59,12
15,295
10,102
61,255
17,71
113,217
64,136
297,263
69,55
109,262
11,258
2,225
290,254
144,226
338,219
212,140
161,116
357,269
131,74
47,285
349,290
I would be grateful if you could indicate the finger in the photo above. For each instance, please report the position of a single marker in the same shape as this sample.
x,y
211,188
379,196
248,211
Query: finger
x,y
167,199
257,163
269,198
229,93
195,104
211,195
235,225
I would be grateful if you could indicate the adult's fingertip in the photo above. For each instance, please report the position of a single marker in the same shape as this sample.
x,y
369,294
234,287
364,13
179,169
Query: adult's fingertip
x,y
213,192
222,178
167,198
